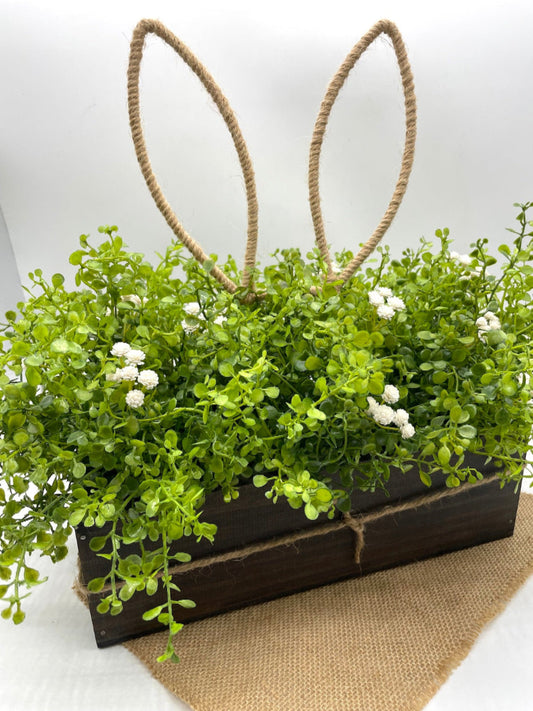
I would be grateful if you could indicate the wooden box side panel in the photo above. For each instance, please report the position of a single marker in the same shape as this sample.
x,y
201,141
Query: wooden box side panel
x,y
252,518
475,515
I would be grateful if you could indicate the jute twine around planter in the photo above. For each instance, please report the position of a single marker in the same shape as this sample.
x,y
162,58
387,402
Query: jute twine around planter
x,y
384,642
356,522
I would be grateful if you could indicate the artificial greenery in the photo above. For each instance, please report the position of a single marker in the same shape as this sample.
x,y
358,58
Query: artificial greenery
x,y
127,401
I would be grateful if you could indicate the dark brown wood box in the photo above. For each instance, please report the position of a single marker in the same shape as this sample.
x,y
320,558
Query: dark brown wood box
x,y
474,515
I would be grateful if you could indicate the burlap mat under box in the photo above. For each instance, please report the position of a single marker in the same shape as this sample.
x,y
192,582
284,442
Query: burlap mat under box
x,y
385,642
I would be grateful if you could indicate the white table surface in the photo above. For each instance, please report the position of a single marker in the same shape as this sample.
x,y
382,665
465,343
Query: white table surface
x,y
51,663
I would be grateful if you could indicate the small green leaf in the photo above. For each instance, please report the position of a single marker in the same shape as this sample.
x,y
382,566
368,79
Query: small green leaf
x,y
126,592
78,470
97,543
225,369
31,575
425,478
18,617
426,335
76,517
182,557
313,363
33,376
271,391
200,390
60,345
188,604
311,512
76,257
20,438
467,431
95,585
316,414
153,613
151,586
444,455
103,607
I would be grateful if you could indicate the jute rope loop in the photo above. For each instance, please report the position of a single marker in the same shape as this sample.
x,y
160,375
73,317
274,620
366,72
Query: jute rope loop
x,y
357,523
390,29
144,28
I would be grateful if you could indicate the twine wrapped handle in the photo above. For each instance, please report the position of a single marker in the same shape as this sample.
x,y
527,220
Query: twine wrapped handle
x,y
143,28
382,27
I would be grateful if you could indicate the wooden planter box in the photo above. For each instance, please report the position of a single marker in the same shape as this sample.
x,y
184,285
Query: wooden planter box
x,y
476,514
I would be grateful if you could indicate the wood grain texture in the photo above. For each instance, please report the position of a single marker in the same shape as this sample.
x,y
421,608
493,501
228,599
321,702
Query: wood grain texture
x,y
475,515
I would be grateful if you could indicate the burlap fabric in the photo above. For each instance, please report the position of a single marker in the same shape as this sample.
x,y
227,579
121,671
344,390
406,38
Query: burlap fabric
x,y
385,642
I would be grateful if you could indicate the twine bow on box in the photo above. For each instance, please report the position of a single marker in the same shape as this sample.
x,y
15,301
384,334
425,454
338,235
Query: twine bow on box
x,y
386,27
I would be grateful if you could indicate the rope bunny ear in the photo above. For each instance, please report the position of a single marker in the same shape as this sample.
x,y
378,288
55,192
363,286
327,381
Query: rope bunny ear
x,y
390,29
143,28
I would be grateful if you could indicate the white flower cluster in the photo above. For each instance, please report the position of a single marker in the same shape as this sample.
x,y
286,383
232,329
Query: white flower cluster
x,y
488,322
463,259
466,261
130,372
386,303
193,311
385,415
133,298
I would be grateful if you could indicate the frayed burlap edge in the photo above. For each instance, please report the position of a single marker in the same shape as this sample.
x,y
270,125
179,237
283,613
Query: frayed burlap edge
x,y
455,659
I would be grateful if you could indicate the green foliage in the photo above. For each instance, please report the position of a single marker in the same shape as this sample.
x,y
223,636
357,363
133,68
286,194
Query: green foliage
x,y
125,402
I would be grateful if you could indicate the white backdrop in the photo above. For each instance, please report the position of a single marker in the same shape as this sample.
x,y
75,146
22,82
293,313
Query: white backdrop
x,y
67,166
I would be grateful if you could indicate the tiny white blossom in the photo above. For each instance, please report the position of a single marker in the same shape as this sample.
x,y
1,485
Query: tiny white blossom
x,y
372,405
384,291
401,417
192,308
494,321
396,303
189,328
120,349
391,394
334,267
383,414
113,377
220,319
129,372
135,398
473,272
148,378
133,298
463,259
375,298
135,357
488,322
385,311
407,431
